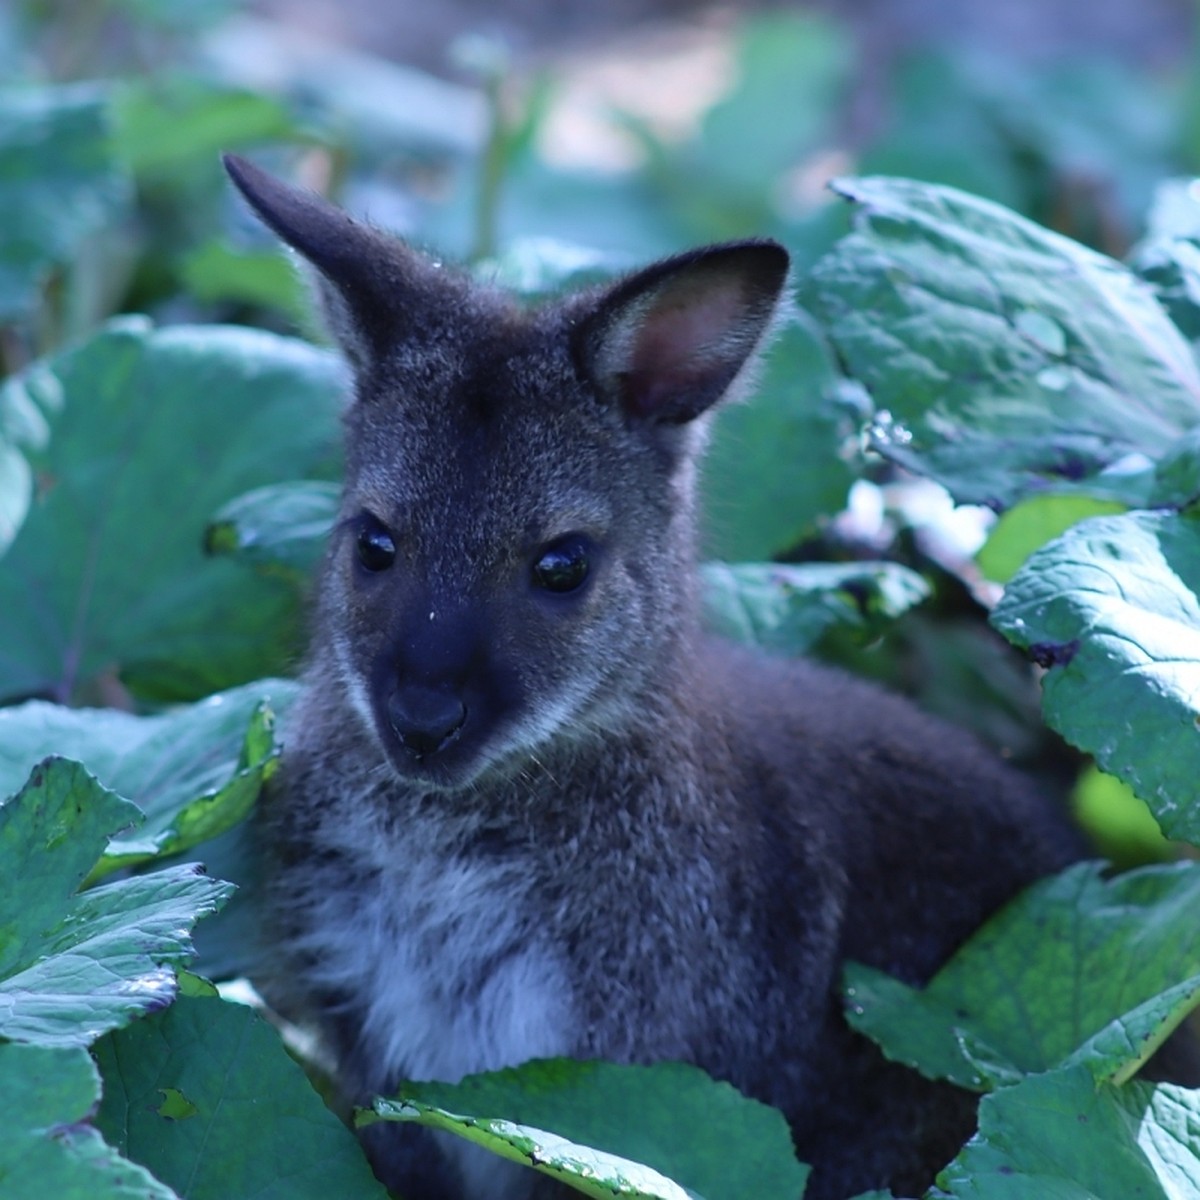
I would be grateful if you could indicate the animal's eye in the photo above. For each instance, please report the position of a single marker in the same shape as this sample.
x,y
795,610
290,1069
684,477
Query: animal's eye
x,y
563,565
376,549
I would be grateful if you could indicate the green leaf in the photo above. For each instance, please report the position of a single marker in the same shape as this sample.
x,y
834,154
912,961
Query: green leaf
x,y
1048,972
73,966
1110,610
47,1096
1118,1051
773,467
1061,1136
1117,823
1175,211
215,273
1169,258
60,183
786,608
591,1172
671,1117
194,771
1002,359
229,944
166,122
1030,524
205,1095
151,431
1176,475
278,528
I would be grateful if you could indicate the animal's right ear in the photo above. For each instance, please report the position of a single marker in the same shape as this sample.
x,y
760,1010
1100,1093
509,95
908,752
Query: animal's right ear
x,y
668,342
365,279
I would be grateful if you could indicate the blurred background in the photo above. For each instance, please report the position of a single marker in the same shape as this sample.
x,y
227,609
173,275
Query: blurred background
x,y
549,144
642,125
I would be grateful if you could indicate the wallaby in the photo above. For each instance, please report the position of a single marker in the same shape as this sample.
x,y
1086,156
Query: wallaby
x,y
527,808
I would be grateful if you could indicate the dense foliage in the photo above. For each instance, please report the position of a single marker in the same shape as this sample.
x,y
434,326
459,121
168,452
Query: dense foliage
x,y
166,480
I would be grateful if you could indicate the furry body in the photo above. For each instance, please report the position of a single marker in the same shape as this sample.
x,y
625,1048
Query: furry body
x,y
659,897
527,808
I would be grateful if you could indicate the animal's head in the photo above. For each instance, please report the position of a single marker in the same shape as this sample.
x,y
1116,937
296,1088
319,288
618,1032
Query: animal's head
x,y
513,560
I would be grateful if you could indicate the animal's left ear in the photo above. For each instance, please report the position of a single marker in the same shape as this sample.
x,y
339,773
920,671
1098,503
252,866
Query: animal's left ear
x,y
376,292
667,343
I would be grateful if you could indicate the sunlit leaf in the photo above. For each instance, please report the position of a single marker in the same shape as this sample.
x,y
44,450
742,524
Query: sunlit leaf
x,y
1001,358
617,1126
1050,971
75,965
1110,610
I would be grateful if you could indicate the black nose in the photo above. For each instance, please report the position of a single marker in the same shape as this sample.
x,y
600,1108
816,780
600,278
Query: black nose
x,y
425,720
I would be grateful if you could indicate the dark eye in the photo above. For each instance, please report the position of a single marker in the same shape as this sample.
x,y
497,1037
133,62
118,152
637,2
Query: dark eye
x,y
563,565
376,549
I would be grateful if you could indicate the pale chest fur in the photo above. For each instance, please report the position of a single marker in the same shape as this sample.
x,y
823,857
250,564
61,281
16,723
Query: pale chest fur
x,y
440,952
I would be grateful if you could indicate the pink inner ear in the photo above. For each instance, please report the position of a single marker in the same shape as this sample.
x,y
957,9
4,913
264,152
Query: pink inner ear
x,y
687,346
680,328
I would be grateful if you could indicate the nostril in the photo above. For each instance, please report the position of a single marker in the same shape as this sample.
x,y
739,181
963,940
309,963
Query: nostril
x,y
425,720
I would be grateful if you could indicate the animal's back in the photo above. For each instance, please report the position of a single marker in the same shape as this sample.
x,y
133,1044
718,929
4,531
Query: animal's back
x,y
913,798
930,832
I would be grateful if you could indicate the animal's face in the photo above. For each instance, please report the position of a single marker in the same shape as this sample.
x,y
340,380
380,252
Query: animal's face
x,y
514,553
505,565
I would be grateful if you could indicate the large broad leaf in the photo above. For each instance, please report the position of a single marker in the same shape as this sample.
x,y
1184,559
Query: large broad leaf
x,y
206,1096
151,431
1068,959
1110,610
671,1118
1060,1136
60,182
788,608
47,1148
193,771
75,965
774,467
1002,359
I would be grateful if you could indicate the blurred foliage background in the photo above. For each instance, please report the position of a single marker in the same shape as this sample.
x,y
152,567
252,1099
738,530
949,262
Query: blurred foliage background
x,y
553,144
